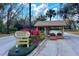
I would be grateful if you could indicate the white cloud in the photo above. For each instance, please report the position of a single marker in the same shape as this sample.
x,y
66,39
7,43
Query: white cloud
x,y
42,6
23,4
55,9
33,6
45,11
39,8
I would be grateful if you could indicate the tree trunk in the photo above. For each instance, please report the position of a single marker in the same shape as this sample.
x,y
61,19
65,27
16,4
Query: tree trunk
x,y
50,18
8,24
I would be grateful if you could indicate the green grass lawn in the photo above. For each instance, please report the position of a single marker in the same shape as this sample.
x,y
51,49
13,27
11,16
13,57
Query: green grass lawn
x,y
3,35
73,32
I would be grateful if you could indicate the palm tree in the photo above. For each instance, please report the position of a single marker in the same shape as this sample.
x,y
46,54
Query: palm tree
x,y
50,13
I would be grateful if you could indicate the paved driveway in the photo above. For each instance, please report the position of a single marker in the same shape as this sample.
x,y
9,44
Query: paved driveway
x,y
69,46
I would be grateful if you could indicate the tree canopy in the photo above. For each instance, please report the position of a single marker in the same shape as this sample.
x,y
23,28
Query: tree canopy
x,y
50,13
41,18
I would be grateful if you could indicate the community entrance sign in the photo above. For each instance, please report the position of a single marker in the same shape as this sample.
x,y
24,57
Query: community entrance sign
x,y
22,38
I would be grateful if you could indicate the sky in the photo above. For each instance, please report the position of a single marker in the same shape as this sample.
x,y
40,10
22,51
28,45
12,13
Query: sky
x,y
41,8
37,9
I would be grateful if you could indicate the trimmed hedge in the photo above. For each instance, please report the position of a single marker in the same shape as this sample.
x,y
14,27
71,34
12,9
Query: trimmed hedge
x,y
55,28
13,30
23,50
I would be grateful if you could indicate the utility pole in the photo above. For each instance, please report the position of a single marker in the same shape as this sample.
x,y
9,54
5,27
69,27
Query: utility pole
x,y
30,18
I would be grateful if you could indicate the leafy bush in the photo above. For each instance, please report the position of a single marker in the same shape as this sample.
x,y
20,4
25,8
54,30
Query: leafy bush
x,y
41,36
55,28
30,40
13,29
0,29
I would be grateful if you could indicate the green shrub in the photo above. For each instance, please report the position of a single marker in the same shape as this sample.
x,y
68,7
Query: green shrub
x,y
55,28
41,36
30,40
13,30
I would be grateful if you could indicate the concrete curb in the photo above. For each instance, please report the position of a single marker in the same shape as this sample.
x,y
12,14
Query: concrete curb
x,y
37,50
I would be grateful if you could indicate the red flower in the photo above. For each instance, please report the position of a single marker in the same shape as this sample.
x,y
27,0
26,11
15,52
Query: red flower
x,y
35,32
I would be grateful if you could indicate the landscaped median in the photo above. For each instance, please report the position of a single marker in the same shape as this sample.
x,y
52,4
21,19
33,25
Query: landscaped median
x,y
23,50
38,48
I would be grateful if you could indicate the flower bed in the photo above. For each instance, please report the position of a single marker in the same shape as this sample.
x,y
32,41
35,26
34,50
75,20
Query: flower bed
x,y
34,41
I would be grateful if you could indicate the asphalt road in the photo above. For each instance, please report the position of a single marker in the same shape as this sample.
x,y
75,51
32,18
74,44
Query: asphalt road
x,y
69,46
6,43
